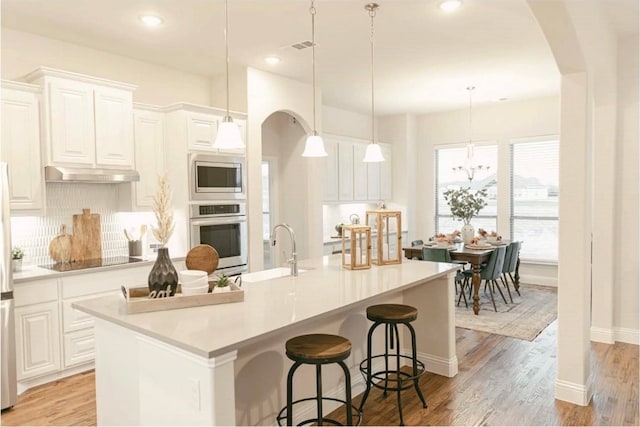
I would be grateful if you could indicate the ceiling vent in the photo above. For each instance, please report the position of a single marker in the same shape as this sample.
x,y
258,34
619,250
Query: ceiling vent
x,y
302,45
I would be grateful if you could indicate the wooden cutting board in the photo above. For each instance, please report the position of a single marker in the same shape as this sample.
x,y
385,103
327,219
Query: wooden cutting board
x,y
86,242
202,257
60,246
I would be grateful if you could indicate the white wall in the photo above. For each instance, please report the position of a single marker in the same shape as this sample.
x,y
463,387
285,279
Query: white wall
x,y
626,296
346,123
24,52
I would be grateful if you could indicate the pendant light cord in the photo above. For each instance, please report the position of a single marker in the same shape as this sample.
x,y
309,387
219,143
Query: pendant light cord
x,y
226,43
470,89
372,13
312,10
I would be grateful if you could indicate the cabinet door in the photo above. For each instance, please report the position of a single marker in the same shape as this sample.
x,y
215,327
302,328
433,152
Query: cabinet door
x,y
331,176
386,173
21,148
149,154
201,131
79,347
71,123
345,170
37,340
359,172
113,127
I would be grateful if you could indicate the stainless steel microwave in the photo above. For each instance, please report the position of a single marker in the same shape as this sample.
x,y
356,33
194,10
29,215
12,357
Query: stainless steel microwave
x,y
217,177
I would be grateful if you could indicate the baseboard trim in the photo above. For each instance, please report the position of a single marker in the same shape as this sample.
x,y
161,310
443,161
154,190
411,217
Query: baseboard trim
x,y
439,365
627,335
578,394
539,280
602,335
24,385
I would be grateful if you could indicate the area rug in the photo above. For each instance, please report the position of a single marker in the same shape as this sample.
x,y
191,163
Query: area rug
x,y
525,318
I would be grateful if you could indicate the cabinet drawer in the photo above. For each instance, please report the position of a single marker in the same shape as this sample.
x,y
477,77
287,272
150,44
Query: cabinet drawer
x,y
75,320
36,292
79,347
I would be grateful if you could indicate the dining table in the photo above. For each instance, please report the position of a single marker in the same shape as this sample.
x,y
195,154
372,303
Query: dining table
x,y
475,257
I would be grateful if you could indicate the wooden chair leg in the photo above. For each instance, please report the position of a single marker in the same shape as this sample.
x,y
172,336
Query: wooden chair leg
x,y
516,284
495,284
506,285
492,300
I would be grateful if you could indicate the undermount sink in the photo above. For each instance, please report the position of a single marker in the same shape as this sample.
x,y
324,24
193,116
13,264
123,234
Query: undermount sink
x,y
272,273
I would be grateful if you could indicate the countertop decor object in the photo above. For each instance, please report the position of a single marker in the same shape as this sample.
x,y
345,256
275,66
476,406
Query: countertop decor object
x,y
163,278
60,246
356,247
203,257
385,224
136,301
86,242
16,259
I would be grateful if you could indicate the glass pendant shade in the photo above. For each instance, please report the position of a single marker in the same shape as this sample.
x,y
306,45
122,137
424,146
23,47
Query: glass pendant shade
x,y
314,147
373,154
228,135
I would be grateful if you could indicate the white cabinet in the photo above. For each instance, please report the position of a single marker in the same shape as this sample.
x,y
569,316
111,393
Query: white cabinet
x,y
149,153
331,178
201,131
37,329
379,176
87,120
345,171
348,178
20,126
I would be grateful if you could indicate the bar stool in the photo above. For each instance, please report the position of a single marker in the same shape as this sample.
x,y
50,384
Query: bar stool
x,y
318,350
391,315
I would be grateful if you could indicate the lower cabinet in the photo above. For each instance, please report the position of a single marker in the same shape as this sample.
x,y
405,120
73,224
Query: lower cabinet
x,y
37,340
79,347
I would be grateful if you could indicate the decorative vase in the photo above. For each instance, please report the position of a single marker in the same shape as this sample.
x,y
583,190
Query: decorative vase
x,y
163,278
16,265
467,232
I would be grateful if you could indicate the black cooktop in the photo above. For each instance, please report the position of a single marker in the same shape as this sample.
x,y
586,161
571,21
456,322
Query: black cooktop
x,y
91,263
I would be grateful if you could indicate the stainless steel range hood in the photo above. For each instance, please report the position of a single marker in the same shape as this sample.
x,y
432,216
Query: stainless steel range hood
x,y
104,176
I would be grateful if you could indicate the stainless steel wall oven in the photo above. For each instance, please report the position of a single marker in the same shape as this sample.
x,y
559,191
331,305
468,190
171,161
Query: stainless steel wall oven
x,y
222,225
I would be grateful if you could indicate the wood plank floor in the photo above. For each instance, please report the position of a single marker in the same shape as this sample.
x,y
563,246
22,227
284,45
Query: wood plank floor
x,y
502,381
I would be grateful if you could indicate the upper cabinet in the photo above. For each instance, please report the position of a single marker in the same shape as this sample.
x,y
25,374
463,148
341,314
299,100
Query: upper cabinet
x,y
149,149
19,112
88,121
198,126
348,178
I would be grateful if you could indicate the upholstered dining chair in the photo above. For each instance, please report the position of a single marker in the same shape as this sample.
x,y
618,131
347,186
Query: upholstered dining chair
x,y
417,242
510,263
490,273
443,255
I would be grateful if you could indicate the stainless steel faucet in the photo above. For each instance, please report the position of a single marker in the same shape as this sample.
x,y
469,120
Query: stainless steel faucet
x,y
294,257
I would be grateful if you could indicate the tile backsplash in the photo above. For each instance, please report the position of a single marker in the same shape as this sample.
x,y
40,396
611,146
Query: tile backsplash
x,y
64,200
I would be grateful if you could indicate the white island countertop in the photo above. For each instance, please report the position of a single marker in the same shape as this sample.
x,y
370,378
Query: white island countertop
x,y
269,306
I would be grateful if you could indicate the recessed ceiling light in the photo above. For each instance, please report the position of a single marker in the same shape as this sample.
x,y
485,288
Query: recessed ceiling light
x,y
151,20
450,5
272,60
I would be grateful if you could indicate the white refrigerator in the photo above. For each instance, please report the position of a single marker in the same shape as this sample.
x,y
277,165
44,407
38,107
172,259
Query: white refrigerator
x,y
8,343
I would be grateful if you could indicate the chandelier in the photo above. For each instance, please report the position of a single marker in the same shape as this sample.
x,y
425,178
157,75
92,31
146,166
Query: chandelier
x,y
470,166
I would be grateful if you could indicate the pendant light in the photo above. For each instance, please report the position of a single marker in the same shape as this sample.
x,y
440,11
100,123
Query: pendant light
x,y
469,166
373,153
314,146
228,132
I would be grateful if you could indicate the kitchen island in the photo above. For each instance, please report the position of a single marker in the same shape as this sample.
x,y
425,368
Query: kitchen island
x,y
225,364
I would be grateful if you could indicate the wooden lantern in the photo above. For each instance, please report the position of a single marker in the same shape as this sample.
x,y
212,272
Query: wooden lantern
x,y
356,239
387,225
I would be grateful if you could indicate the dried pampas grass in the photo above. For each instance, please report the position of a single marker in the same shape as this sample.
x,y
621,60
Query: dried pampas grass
x,y
162,210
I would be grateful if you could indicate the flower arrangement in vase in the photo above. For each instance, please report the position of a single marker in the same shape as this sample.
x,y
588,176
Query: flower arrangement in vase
x,y
17,253
465,205
163,278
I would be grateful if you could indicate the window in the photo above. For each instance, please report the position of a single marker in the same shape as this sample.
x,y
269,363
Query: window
x,y
446,177
534,198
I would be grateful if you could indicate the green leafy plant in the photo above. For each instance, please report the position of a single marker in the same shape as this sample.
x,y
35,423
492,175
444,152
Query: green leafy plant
x,y
465,205
17,252
223,281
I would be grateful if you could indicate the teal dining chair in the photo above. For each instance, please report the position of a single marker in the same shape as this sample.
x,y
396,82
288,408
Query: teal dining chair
x,y
490,273
417,243
510,263
443,255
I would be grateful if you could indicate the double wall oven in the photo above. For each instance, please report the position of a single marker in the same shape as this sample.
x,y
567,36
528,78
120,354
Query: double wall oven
x,y
218,213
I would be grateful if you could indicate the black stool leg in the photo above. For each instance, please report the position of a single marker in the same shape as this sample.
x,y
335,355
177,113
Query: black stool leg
x,y
368,389
415,364
387,332
319,392
347,386
290,393
398,376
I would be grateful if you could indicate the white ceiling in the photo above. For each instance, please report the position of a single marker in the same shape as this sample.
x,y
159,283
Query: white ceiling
x,y
425,58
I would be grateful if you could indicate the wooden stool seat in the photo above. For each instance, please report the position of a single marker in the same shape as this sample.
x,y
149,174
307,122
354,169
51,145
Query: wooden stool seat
x,y
392,313
318,348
